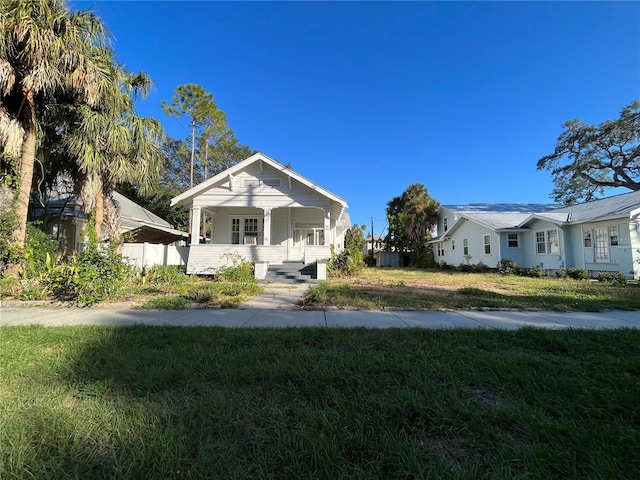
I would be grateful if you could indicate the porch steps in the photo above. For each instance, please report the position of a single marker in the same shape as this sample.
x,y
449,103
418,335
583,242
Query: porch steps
x,y
291,273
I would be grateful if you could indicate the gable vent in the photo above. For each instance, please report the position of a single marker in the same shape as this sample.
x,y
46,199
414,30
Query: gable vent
x,y
271,182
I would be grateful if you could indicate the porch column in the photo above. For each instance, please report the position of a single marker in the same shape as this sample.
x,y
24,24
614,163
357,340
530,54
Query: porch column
x,y
195,225
327,226
266,235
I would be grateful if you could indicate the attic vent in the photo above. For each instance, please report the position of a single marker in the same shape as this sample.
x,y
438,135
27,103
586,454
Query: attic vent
x,y
271,182
255,182
251,182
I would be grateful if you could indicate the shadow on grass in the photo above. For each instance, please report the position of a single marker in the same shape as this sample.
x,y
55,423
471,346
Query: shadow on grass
x,y
166,402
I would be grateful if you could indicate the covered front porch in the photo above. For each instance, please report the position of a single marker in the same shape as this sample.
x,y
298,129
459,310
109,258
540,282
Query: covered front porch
x,y
263,236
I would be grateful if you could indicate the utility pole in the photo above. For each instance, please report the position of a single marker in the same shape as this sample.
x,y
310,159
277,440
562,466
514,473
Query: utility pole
x,y
372,240
193,149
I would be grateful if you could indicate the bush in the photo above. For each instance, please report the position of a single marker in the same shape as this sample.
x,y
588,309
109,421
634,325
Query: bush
x,y
166,274
577,273
349,261
561,274
612,277
534,272
473,267
237,269
370,261
9,254
40,251
507,266
94,274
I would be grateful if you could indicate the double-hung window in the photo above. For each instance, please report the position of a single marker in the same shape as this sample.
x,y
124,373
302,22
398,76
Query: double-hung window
x,y
465,246
440,249
245,230
513,240
235,231
486,239
547,242
613,236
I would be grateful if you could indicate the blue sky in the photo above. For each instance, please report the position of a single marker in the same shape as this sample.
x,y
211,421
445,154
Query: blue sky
x,y
366,98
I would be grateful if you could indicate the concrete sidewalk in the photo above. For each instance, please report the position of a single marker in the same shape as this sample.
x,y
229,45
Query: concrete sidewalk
x,y
275,318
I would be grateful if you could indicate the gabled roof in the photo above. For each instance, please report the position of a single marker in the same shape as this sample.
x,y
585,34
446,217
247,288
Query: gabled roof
x,y
185,197
492,221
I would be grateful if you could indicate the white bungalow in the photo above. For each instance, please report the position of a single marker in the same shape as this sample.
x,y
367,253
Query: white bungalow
x,y
598,236
264,212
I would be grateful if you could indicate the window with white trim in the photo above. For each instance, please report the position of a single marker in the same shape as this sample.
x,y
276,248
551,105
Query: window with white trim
x,y
587,239
445,223
465,246
245,230
613,235
486,239
453,244
547,242
235,231
513,240
440,249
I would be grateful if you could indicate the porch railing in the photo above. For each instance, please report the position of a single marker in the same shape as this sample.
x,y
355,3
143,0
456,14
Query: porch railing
x,y
206,259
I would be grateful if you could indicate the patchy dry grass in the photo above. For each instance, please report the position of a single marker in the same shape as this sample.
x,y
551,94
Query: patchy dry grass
x,y
378,288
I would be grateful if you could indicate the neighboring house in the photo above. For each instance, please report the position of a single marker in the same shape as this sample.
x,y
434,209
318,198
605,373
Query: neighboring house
x,y
265,213
599,236
378,245
64,218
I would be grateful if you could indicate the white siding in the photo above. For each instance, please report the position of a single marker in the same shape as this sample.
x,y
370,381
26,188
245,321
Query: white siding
x,y
475,235
206,259
279,226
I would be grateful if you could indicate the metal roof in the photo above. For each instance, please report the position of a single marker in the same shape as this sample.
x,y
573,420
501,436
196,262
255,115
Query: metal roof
x,y
134,215
502,207
615,206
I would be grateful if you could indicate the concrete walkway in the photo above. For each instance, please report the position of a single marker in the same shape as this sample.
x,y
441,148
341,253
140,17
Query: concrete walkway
x,y
257,316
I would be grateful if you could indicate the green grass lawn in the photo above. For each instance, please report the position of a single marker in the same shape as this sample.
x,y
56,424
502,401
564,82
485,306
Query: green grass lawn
x,y
378,288
156,402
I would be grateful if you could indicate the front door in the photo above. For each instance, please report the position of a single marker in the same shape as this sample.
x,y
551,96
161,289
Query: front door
x,y
601,247
303,237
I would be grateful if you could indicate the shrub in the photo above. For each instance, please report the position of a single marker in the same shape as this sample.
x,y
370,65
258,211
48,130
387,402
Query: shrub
x,y
560,273
612,277
349,261
370,261
9,254
507,266
94,274
534,272
40,251
577,273
237,269
166,274
473,267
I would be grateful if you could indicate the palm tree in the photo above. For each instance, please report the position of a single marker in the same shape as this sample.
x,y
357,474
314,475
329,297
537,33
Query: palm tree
x,y
111,145
45,52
